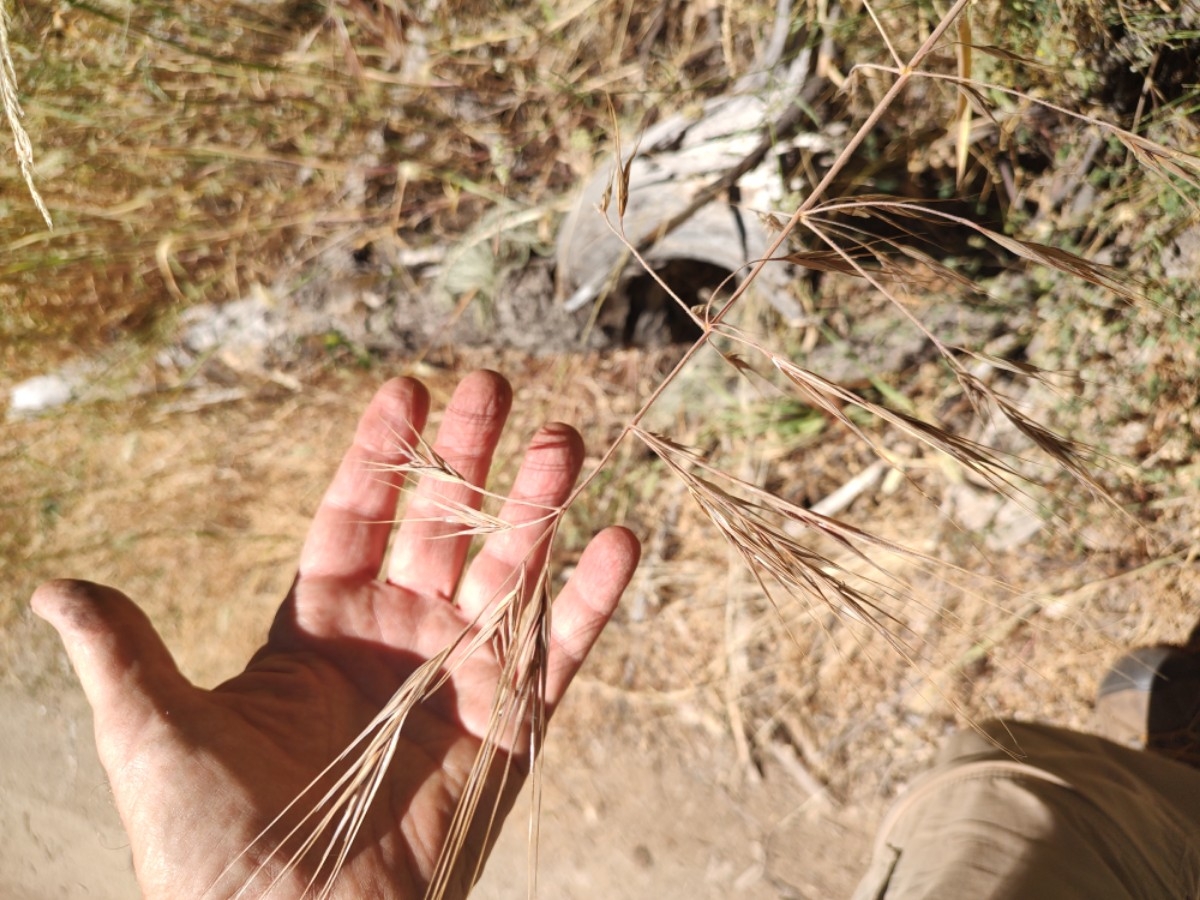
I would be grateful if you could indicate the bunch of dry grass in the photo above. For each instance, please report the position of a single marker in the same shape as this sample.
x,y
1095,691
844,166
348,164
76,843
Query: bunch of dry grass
x,y
190,154
838,566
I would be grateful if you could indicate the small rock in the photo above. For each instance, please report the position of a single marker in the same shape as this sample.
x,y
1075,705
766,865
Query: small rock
x,y
1004,523
1014,524
39,394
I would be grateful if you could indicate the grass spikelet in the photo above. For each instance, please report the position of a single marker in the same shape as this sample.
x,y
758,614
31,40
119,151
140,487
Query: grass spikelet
x,y
423,461
751,519
14,114
832,399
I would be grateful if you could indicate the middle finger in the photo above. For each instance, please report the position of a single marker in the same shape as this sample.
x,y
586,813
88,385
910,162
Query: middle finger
x,y
430,547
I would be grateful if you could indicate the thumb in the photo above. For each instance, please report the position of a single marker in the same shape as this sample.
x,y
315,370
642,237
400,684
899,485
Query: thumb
x,y
126,671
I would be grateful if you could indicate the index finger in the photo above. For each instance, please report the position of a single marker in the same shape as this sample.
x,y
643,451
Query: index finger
x,y
430,546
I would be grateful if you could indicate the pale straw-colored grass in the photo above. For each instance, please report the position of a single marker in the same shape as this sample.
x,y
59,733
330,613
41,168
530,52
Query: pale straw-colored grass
x,y
14,114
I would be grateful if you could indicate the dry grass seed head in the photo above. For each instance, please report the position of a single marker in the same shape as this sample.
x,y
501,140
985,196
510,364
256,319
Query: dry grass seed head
x,y
771,554
14,114
515,629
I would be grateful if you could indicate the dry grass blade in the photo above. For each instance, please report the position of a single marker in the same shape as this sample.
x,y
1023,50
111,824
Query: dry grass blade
x,y
962,137
780,563
746,517
882,33
856,250
985,462
13,113
821,261
763,504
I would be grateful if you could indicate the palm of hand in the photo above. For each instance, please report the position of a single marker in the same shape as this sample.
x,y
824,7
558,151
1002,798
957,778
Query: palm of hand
x,y
198,775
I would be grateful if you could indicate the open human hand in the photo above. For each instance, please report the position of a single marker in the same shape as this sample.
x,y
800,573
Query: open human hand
x,y
199,776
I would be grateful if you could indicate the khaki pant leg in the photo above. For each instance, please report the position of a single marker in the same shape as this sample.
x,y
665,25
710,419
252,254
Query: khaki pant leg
x,y
1041,813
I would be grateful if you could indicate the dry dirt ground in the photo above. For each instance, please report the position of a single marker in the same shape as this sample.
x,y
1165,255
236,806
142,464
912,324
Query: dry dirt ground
x,y
703,752
622,816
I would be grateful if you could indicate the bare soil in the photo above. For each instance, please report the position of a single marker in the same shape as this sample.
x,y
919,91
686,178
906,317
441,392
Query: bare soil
x,y
619,819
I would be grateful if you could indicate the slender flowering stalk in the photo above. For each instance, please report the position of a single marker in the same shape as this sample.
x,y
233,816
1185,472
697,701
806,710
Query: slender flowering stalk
x,y
13,113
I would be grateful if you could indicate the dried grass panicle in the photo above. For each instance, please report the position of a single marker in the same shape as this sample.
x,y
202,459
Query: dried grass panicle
x,y
840,567
14,114
515,628
752,519
850,251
